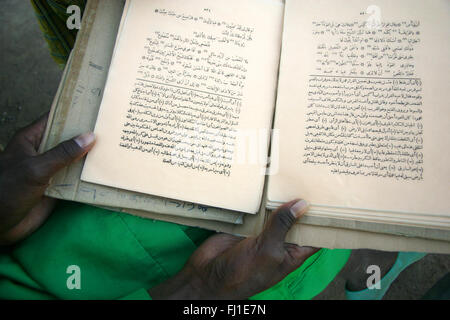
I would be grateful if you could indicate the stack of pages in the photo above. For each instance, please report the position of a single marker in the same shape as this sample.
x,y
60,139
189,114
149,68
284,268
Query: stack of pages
x,y
213,113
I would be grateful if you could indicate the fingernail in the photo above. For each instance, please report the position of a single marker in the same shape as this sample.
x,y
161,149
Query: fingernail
x,y
299,208
85,140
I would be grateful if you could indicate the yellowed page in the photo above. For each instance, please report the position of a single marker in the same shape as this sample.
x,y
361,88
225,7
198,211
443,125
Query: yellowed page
x,y
362,106
186,79
75,110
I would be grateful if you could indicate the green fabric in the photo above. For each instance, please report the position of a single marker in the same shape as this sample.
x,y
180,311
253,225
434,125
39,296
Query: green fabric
x,y
310,279
119,255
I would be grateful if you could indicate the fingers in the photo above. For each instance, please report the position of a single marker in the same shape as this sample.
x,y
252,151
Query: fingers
x,y
49,163
296,256
214,247
30,223
35,131
218,243
282,220
31,135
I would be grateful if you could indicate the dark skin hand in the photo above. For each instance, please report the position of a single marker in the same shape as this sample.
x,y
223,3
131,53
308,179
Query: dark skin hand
x,y
223,267
24,176
230,267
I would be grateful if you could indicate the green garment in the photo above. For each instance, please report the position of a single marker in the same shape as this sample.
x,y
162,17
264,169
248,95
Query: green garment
x,y
121,256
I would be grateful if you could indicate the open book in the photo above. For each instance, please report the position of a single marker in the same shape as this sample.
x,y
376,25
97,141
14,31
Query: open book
x,y
206,103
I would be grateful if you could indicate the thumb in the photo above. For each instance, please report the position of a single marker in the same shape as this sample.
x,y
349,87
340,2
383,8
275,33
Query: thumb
x,y
213,247
282,220
49,163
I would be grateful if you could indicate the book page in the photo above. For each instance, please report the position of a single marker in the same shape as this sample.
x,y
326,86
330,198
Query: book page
x,y
187,81
75,111
362,108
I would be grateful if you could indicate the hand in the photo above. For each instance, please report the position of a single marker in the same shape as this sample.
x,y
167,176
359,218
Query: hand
x,y
24,176
230,267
